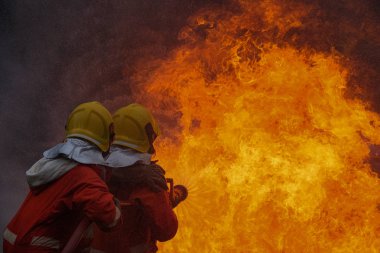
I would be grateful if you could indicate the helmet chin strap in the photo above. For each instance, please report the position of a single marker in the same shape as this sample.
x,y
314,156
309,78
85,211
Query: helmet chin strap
x,y
151,137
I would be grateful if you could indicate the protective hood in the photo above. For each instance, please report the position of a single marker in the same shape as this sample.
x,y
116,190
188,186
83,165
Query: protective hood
x,y
124,157
47,170
78,150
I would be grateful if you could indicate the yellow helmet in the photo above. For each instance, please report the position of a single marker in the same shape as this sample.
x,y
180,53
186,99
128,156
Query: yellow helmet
x,y
93,122
136,128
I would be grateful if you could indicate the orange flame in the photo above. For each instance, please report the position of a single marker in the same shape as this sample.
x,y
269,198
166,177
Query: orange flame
x,y
273,152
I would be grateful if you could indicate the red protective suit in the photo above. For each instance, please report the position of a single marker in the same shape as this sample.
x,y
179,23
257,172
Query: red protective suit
x,y
147,217
51,212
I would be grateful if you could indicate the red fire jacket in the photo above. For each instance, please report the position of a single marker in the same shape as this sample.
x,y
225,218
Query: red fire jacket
x,y
51,212
147,217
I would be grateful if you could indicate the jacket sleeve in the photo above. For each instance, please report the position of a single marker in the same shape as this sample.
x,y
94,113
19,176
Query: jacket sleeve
x,y
92,196
157,208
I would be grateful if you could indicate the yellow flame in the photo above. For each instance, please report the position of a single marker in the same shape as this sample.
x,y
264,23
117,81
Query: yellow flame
x,y
272,151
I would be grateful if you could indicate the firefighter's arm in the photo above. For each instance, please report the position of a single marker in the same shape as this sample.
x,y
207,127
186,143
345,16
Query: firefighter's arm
x,y
117,218
94,199
157,208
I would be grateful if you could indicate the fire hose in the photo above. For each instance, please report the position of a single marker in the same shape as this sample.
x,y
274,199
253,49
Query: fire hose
x,y
177,194
77,236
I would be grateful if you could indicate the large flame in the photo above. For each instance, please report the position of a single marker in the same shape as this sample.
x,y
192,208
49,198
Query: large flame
x,y
273,152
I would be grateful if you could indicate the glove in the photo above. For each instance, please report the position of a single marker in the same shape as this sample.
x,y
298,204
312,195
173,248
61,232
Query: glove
x,y
151,175
156,179
117,202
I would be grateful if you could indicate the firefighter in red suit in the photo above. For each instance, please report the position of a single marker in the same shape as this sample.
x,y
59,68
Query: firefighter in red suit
x,y
66,185
146,209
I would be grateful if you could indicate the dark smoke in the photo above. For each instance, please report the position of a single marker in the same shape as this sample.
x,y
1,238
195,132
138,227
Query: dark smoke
x,y
352,29
57,54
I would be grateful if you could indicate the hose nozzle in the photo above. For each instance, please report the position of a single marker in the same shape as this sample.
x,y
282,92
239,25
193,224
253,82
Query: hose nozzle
x,y
178,193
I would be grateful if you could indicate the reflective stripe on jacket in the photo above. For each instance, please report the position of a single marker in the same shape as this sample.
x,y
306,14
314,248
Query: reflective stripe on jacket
x,y
51,212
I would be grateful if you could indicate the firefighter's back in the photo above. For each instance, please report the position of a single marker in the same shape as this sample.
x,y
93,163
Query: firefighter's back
x,y
51,212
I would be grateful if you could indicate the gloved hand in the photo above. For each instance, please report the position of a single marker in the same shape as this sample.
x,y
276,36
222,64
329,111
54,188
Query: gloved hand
x,y
151,175
117,202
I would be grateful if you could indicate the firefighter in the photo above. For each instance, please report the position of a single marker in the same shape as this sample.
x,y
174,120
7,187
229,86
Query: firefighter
x,y
140,186
66,185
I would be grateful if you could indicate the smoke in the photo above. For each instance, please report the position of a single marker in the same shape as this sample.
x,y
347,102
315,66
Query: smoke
x,y
352,29
57,54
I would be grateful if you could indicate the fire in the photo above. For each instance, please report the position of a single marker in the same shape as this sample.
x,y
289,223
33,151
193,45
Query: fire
x,y
261,131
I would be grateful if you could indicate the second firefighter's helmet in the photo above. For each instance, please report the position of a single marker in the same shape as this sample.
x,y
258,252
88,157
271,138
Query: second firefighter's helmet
x,y
93,122
136,128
